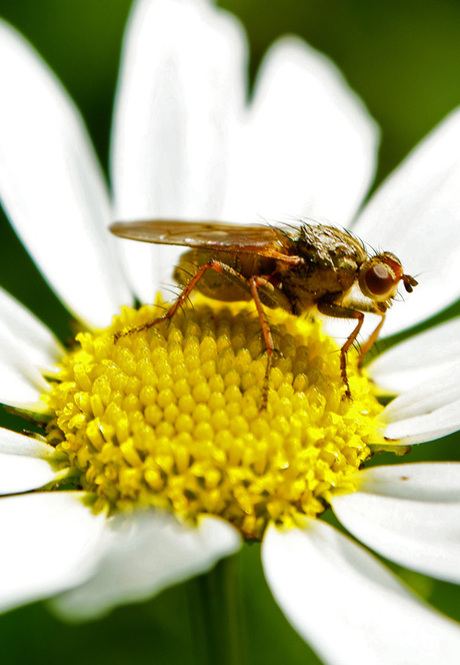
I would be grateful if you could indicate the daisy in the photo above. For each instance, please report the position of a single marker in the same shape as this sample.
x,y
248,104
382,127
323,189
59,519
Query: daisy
x,y
164,462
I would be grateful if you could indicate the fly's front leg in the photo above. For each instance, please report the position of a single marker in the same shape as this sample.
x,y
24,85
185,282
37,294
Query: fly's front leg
x,y
340,312
372,338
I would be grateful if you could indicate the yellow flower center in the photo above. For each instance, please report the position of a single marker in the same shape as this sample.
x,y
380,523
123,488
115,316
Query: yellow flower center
x,y
171,417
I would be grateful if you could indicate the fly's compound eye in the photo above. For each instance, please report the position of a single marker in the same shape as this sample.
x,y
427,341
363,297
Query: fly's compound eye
x,y
379,280
379,277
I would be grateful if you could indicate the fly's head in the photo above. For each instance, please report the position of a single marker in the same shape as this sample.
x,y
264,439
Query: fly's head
x,y
379,278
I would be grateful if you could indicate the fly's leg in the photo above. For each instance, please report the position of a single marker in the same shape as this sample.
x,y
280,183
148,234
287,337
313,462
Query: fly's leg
x,y
255,283
252,284
340,312
210,265
372,338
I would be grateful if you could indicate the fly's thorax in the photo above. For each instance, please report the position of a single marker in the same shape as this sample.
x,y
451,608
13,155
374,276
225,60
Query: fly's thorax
x,y
306,285
329,247
331,260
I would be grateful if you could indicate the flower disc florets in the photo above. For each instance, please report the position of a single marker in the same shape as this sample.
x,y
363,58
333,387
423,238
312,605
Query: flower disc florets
x,y
171,417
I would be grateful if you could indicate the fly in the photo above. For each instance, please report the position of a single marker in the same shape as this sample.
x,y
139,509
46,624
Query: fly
x,y
314,266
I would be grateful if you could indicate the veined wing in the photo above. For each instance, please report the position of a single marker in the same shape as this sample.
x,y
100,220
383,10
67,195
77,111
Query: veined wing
x,y
261,239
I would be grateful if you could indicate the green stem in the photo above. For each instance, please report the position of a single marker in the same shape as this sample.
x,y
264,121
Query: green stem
x,y
216,615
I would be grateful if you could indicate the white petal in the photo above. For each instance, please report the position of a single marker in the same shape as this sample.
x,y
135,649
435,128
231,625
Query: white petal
x,y
22,474
409,513
428,411
435,482
417,359
428,427
148,552
416,215
21,384
348,606
25,463
13,443
308,146
181,89
49,543
34,340
51,185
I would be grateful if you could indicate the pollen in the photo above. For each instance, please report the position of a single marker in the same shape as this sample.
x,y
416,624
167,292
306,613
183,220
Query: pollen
x,y
172,416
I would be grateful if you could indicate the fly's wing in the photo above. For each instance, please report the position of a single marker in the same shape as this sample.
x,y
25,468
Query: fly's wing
x,y
266,241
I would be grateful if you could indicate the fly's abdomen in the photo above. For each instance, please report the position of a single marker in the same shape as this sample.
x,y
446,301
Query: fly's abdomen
x,y
218,285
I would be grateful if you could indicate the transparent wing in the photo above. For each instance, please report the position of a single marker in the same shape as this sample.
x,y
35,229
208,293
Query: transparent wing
x,y
214,236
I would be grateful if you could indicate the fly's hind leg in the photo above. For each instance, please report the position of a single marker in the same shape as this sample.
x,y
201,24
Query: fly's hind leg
x,y
210,265
250,285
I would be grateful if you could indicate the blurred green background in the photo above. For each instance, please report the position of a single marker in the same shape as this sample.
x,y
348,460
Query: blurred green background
x,y
403,58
